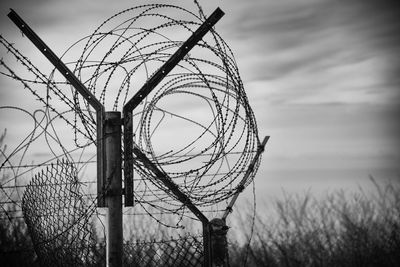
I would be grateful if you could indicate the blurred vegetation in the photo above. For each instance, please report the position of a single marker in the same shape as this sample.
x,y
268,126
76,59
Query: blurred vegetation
x,y
341,229
16,248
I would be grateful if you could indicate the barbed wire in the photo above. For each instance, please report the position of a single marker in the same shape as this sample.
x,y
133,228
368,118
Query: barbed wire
x,y
51,87
121,54
197,126
129,47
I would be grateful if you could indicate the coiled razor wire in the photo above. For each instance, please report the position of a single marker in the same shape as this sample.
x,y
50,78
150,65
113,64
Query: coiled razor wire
x,y
58,218
197,126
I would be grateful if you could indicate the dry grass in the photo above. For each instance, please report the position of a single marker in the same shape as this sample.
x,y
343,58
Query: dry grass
x,y
343,229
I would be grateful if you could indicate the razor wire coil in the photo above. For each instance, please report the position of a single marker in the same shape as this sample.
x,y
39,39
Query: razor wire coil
x,y
120,55
125,50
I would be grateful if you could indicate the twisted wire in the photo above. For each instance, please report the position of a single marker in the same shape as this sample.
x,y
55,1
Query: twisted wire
x,y
123,53
208,157
45,97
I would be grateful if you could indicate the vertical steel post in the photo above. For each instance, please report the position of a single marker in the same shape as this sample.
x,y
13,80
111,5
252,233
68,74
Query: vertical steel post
x,y
207,257
113,186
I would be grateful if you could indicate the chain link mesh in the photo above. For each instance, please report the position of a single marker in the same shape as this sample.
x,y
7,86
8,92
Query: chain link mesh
x,y
186,252
58,218
59,222
207,166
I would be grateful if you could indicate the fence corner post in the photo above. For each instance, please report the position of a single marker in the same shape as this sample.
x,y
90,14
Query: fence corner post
x,y
113,188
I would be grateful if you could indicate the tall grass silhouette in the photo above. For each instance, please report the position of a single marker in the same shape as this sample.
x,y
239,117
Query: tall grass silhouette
x,y
343,228
358,228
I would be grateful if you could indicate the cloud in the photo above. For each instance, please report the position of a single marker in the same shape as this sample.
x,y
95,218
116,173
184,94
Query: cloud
x,y
273,41
343,51
322,76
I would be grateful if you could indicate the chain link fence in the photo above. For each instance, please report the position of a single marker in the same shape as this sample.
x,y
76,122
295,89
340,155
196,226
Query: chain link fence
x,y
186,251
58,218
60,223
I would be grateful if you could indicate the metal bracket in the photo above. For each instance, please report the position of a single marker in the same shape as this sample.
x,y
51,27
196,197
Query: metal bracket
x,y
167,181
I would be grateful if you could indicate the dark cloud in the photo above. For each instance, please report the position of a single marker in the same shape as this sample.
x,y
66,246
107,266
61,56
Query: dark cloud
x,y
22,4
316,36
303,59
382,24
292,20
30,9
292,29
379,22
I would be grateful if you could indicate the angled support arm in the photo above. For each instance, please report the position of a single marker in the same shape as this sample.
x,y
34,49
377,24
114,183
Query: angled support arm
x,y
161,176
145,91
78,85
184,199
240,187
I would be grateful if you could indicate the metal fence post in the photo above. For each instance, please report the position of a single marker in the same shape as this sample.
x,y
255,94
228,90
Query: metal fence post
x,y
113,186
109,168
207,257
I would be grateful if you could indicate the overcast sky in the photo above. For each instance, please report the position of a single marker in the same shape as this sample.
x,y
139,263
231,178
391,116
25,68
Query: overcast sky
x,y
323,78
